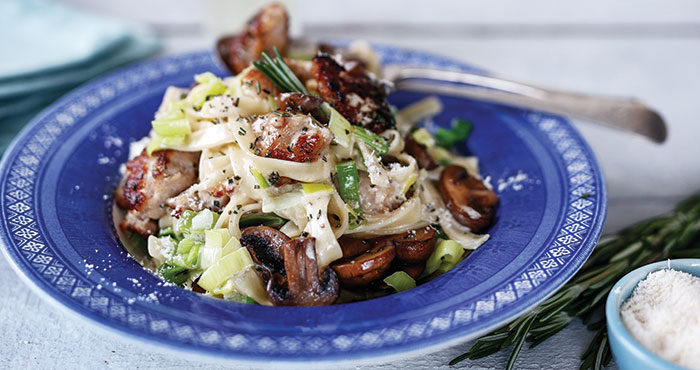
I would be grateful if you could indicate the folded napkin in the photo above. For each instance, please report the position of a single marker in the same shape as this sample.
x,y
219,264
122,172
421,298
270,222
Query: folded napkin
x,y
51,48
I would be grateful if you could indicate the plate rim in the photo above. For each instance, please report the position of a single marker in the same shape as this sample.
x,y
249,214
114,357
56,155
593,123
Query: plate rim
x,y
425,344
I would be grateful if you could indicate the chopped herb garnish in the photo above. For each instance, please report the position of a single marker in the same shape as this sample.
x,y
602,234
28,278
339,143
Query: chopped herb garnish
x,y
277,71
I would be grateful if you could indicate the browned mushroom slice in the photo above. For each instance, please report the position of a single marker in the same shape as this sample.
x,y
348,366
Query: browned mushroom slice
x,y
415,245
413,270
420,153
306,286
470,202
367,267
353,247
265,246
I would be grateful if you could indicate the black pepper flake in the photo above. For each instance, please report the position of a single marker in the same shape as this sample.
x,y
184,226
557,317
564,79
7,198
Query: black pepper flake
x,y
241,131
239,206
216,203
266,91
236,102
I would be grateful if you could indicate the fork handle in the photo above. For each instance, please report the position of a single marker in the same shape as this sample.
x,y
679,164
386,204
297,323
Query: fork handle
x,y
625,114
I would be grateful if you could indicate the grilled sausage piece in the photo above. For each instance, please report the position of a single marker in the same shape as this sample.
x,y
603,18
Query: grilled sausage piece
x,y
149,182
290,136
265,31
354,94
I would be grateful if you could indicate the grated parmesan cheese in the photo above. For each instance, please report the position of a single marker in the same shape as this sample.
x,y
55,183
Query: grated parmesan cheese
x,y
663,314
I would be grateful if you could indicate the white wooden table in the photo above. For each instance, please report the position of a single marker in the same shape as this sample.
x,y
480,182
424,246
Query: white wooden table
x,y
649,49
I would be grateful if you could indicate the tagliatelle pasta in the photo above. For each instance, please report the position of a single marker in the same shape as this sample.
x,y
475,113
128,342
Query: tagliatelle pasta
x,y
289,183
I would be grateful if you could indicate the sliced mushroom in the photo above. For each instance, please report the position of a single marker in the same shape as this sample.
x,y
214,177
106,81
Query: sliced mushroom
x,y
415,245
353,247
265,246
413,270
303,285
420,153
366,267
470,202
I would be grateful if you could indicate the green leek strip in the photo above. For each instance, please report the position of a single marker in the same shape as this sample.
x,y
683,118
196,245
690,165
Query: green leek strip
x,y
423,137
445,256
458,133
283,201
158,143
173,273
210,86
184,246
184,222
316,188
224,268
262,181
192,258
154,145
217,243
441,155
266,219
343,132
407,185
349,183
172,127
204,220
205,77
176,108
216,238
173,141
400,281
167,231
372,140
339,126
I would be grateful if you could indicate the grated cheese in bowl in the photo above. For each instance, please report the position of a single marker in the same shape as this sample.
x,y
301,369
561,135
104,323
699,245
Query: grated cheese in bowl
x,y
663,314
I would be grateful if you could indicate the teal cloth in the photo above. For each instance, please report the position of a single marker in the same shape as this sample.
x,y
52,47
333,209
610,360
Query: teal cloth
x,y
51,48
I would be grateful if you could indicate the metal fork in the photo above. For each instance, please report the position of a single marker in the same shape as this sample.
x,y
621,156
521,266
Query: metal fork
x,y
626,114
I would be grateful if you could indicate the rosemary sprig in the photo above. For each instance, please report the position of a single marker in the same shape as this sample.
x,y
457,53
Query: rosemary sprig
x,y
277,71
676,235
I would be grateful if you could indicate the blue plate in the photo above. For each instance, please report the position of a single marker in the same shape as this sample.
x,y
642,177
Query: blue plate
x,y
57,230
